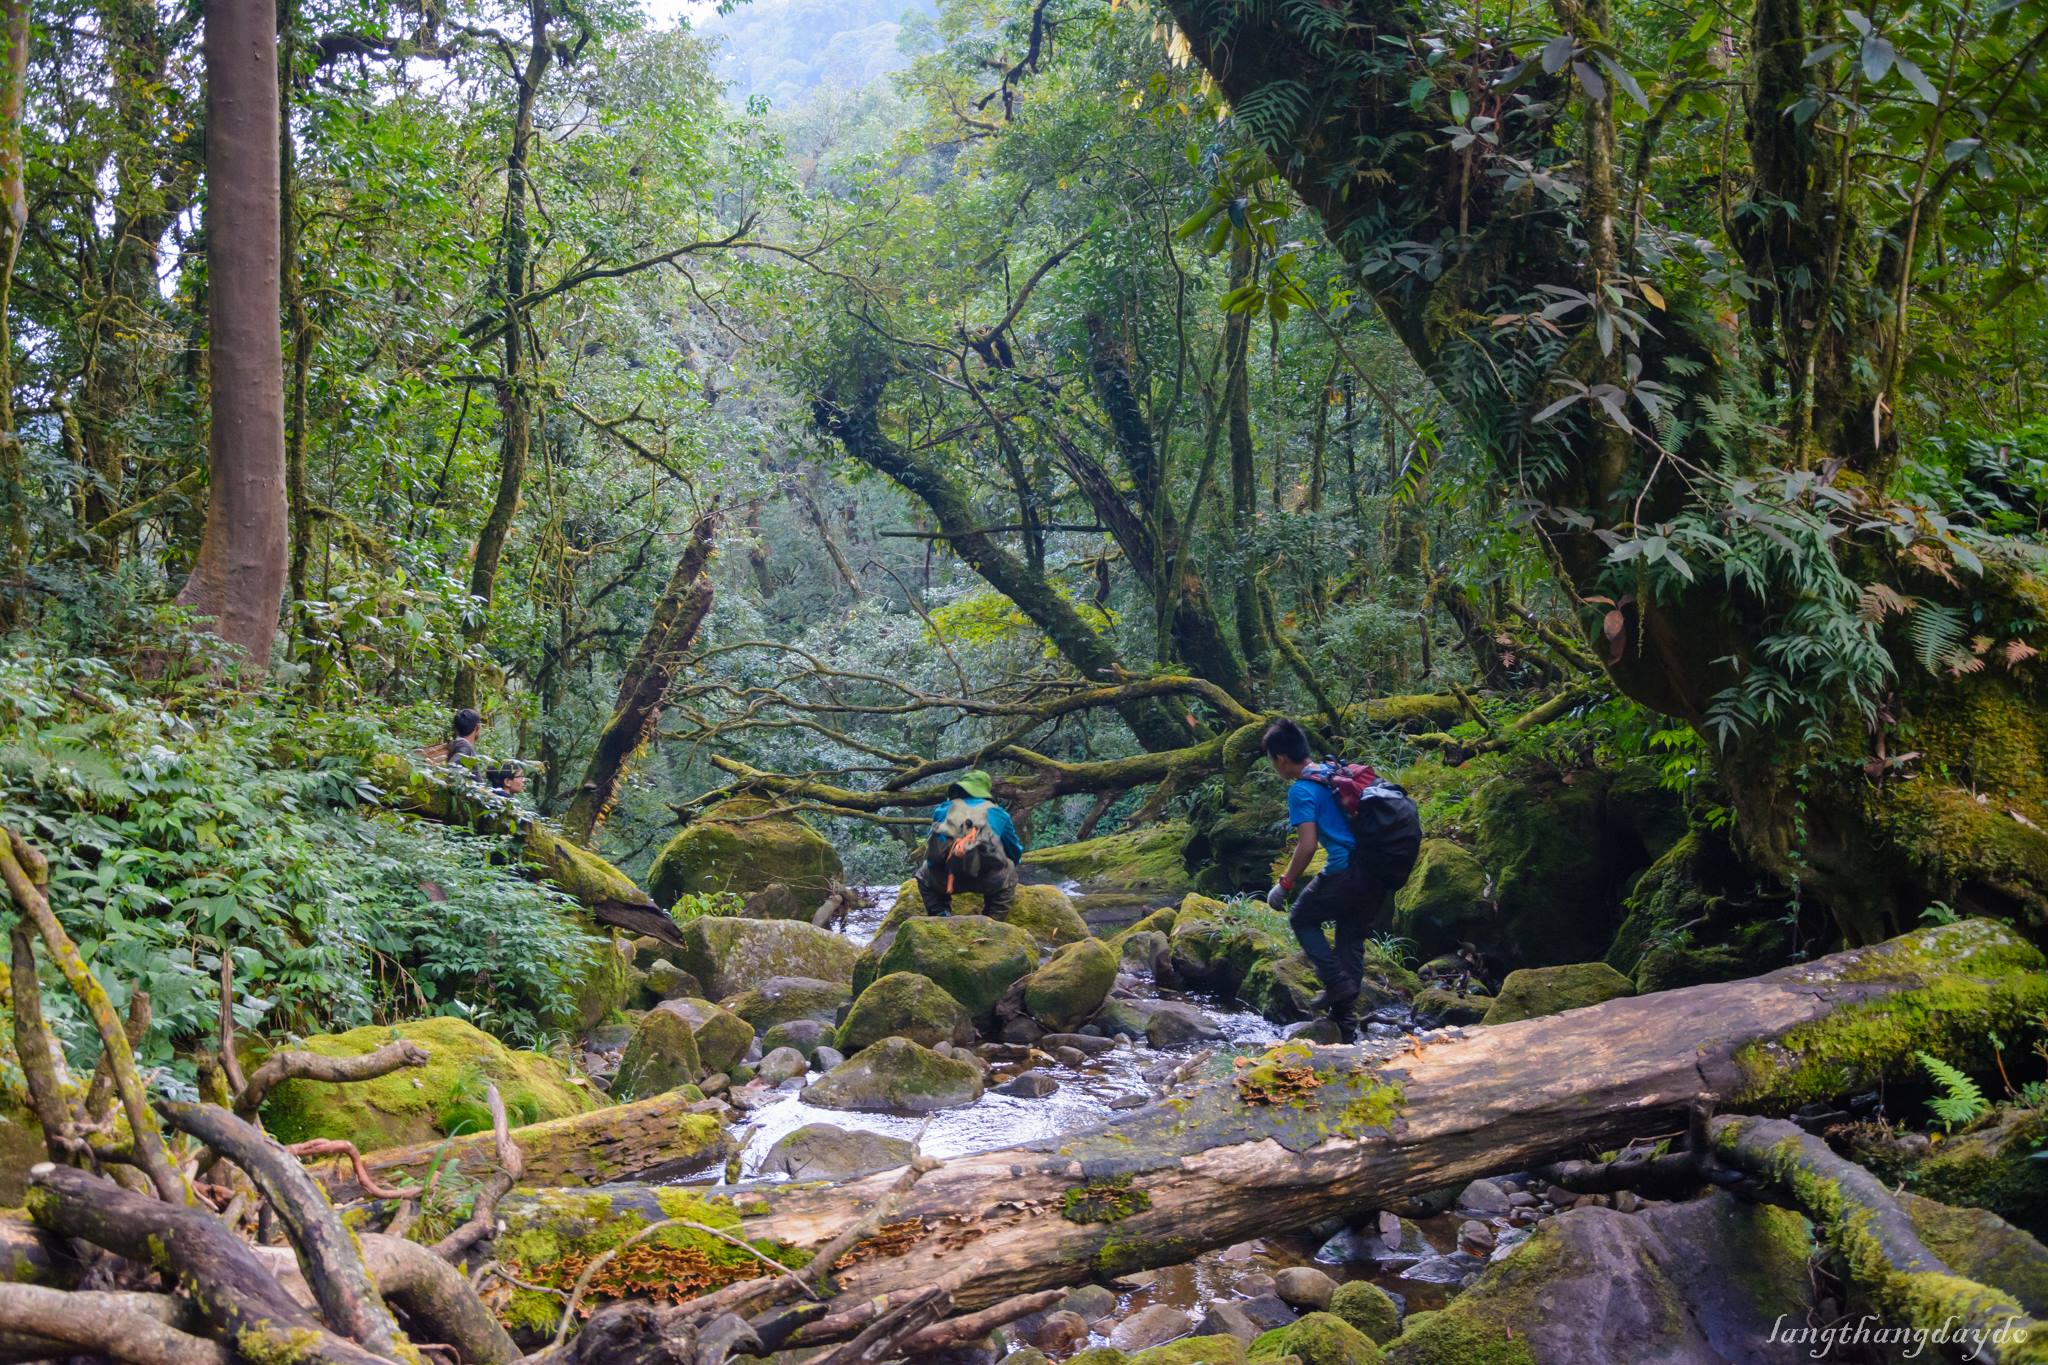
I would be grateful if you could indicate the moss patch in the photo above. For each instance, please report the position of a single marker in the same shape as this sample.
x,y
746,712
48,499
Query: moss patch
x,y
1444,901
1144,859
1535,992
1104,1201
904,1005
728,848
1317,1339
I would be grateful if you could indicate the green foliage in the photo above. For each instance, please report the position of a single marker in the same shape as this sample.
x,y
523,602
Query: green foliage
x,y
1960,1100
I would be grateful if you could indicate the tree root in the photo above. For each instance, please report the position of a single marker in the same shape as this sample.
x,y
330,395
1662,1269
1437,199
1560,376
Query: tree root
x,y
37,1323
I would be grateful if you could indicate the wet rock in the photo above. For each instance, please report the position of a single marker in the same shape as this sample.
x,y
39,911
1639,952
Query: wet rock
x,y
731,955
1072,984
1060,1332
666,981
1227,1320
1451,1269
1304,1287
782,1064
825,1058
1475,1238
1171,1023
823,1151
1130,1102
1267,1311
1369,1308
904,1005
1029,1085
783,999
1022,1029
896,1075
722,1036
1092,1045
1535,992
1392,1241
661,1056
805,1035
1070,1056
1092,1301
730,848
1484,1197
1700,1281
1258,1284
1317,1339
1152,1326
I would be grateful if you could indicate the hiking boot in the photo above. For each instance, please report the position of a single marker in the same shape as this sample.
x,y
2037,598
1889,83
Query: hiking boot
x,y
1335,1000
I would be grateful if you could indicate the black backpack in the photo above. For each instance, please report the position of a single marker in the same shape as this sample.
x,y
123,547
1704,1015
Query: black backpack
x,y
1385,826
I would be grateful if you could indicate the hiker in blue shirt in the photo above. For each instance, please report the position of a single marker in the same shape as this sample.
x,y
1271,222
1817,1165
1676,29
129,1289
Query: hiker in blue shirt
x,y
1340,894
973,846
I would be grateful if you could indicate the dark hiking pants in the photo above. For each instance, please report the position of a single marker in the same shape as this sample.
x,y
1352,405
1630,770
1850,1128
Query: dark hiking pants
x,y
997,889
1350,901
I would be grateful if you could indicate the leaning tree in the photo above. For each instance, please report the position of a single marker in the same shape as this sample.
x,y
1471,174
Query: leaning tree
x,y
1684,329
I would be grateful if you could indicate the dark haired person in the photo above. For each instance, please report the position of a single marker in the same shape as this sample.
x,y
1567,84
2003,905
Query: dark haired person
x,y
462,747
1340,895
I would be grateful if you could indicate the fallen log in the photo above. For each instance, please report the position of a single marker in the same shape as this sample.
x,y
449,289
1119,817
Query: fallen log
x,y
664,1136
1304,1134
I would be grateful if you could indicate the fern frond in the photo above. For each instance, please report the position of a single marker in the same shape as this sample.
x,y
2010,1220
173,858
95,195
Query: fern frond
x,y
1935,630
1960,1100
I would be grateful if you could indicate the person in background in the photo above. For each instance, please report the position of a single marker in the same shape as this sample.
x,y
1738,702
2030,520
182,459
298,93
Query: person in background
x,y
973,846
1340,894
462,746
509,779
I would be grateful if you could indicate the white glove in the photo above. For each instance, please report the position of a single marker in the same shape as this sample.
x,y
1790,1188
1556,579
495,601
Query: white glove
x,y
1277,897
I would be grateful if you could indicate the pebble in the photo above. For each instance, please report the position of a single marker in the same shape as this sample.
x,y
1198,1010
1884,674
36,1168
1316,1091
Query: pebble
x,y
1304,1287
1148,1327
1267,1311
1092,1044
1029,1085
714,1083
1060,1332
1521,1199
1071,1056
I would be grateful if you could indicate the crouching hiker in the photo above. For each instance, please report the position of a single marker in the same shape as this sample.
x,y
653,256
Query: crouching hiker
x,y
1371,836
973,847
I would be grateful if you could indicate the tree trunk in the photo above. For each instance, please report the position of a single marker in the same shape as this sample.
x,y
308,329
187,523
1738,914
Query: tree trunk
x,y
14,543
681,609
515,377
238,575
1305,1135
1254,635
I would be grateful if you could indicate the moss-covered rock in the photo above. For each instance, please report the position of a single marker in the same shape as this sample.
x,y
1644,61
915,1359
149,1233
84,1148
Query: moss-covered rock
x,y
1444,902
731,848
1317,1339
21,1136
1215,944
414,1104
904,1005
1369,1308
601,982
1214,1350
722,1036
1046,912
1281,986
895,1075
1979,1245
1535,992
1703,1280
1159,921
781,999
1995,1165
1144,859
1065,992
1451,1007
973,957
1700,913
1545,841
731,955
660,1056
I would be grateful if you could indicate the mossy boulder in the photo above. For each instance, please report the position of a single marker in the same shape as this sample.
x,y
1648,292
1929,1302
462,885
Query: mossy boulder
x,y
660,1056
731,847
1979,1245
1215,944
783,999
1545,841
1145,859
896,1076
601,981
1534,992
1065,992
722,1036
414,1104
824,1151
1995,1165
1047,912
1369,1308
973,957
1211,1350
1444,902
1317,1339
1280,987
730,955
904,1005
1451,1007
1159,921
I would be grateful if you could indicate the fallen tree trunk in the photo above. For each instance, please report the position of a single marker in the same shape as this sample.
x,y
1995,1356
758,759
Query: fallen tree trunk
x,y
1305,1134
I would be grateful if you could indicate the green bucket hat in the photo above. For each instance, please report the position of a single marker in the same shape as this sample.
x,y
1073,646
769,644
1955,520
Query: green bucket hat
x,y
974,784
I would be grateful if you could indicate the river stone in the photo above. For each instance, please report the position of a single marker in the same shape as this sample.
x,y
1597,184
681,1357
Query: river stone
x,y
666,981
1152,1326
1060,1332
1071,986
1369,1308
1396,1242
1093,1302
780,900
1701,1281
904,1005
1449,1007
824,1151
973,957
731,955
781,999
1227,1320
728,848
1304,1287
1023,1029
661,1055
1484,1198
827,1057
1171,1023
1444,902
1448,1269
1534,992
1319,1339
1029,1085
1219,1349
805,1035
1147,951
1266,1311
782,1064
896,1075
722,1036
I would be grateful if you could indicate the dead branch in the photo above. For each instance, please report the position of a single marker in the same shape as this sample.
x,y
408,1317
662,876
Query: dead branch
x,y
483,1215
290,1066
37,1323
319,1147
